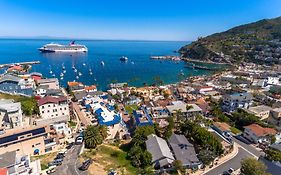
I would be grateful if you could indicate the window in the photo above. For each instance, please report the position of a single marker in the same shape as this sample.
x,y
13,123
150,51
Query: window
x,y
21,137
42,107
61,109
38,144
42,112
48,111
49,105
54,105
65,108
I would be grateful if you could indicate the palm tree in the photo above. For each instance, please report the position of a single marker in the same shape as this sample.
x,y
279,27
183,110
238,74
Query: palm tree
x,y
103,131
93,137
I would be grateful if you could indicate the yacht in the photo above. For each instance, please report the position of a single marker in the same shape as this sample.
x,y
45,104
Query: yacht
x,y
102,63
71,47
123,58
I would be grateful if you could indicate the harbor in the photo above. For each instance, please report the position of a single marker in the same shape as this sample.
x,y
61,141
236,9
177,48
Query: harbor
x,y
19,63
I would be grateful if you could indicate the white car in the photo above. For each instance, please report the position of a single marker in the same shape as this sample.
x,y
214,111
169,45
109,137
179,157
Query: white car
x,y
79,140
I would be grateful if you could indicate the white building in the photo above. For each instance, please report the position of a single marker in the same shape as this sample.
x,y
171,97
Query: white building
x,y
52,107
62,128
10,114
52,83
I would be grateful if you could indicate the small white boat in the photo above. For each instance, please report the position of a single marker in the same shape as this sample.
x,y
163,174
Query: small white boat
x,y
95,79
61,78
54,75
63,67
75,70
73,67
102,63
84,64
51,72
80,74
91,73
64,71
61,74
133,62
77,77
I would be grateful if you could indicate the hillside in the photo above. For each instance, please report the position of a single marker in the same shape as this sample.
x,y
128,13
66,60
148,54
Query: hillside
x,y
254,42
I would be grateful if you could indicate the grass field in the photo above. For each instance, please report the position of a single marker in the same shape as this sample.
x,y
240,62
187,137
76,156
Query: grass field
x,y
110,157
44,159
235,130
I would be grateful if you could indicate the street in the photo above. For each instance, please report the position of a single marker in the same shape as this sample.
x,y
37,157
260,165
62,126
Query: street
x,y
71,163
244,151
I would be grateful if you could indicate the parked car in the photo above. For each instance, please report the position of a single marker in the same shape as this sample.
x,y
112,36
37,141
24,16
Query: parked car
x,y
51,170
56,162
228,172
60,156
86,165
69,146
79,140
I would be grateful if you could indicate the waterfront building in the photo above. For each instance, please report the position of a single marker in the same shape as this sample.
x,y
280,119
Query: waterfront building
x,y
16,86
75,86
51,83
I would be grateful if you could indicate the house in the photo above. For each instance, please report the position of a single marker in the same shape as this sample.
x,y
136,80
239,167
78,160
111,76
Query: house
x,y
142,117
61,128
10,114
13,164
186,109
203,89
261,111
258,134
276,113
28,141
52,83
223,129
75,86
16,86
53,109
201,102
231,102
162,156
184,151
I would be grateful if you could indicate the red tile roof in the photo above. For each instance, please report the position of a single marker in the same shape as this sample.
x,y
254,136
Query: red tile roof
x,y
73,83
49,99
3,171
260,131
88,88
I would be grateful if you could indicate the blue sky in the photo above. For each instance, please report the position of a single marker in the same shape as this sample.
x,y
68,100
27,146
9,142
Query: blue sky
x,y
130,19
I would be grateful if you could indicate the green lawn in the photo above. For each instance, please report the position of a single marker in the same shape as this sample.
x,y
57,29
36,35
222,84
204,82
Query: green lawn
x,y
235,130
44,159
72,124
131,108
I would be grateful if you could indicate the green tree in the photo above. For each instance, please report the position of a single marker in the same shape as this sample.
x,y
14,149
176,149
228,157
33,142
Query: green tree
x,y
178,166
29,105
206,156
93,137
251,166
140,135
103,131
273,155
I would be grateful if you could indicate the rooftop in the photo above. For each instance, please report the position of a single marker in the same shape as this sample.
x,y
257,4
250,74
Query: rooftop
x,y
259,109
7,159
50,99
260,131
47,80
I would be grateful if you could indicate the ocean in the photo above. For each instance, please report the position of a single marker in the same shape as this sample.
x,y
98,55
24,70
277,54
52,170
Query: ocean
x,y
137,71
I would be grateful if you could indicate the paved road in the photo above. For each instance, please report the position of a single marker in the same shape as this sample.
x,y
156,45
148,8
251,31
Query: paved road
x,y
70,163
233,163
250,148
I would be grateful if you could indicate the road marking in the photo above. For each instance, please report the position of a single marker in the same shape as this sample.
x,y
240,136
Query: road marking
x,y
248,151
75,167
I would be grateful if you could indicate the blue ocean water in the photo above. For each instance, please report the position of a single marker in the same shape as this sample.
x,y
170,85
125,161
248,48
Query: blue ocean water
x,y
138,70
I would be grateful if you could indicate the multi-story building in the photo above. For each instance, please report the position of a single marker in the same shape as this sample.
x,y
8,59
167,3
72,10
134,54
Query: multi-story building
x,y
51,107
261,111
28,141
231,102
15,85
258,134
52,83
10,114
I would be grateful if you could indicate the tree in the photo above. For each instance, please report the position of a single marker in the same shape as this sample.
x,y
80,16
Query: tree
x,y
188,107
178,166
140,135
206,156
103,131
273,155
29,105
93,137
251,166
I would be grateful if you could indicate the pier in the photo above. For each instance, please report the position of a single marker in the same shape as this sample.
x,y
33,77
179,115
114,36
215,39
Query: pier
x,y
168,57
20,63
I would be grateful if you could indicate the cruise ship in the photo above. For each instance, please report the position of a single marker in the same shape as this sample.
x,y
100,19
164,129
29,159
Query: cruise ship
x,y
71,47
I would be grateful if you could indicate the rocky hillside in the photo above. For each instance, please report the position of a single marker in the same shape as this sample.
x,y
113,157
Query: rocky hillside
x,y
255,42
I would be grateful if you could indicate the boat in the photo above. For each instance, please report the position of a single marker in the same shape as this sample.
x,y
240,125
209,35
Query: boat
x,y
71,47
77,77
84,64
91,73
80,74
61,74
61,78
133,62
123,58
73,67
102,63
51,71
63,67
75,70
64,71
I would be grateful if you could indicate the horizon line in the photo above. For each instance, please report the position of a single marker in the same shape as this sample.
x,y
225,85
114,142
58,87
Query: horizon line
x,y
84,39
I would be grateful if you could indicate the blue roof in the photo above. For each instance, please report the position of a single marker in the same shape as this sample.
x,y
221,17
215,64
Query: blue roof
x,y
116,120
98,111
138,116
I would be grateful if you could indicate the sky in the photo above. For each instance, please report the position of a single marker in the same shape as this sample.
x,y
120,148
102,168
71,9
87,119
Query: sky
x,y
176,20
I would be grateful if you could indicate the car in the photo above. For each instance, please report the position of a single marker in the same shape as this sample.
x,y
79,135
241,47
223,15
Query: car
x,y
86,165
51,170
79,140
69,146
228,172
59,156
56,162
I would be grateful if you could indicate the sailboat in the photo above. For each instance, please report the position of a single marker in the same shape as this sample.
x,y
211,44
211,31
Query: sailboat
x,y
102,63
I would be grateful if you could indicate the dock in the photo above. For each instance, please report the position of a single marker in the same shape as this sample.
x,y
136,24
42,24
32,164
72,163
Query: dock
x,y
167,57
20,63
